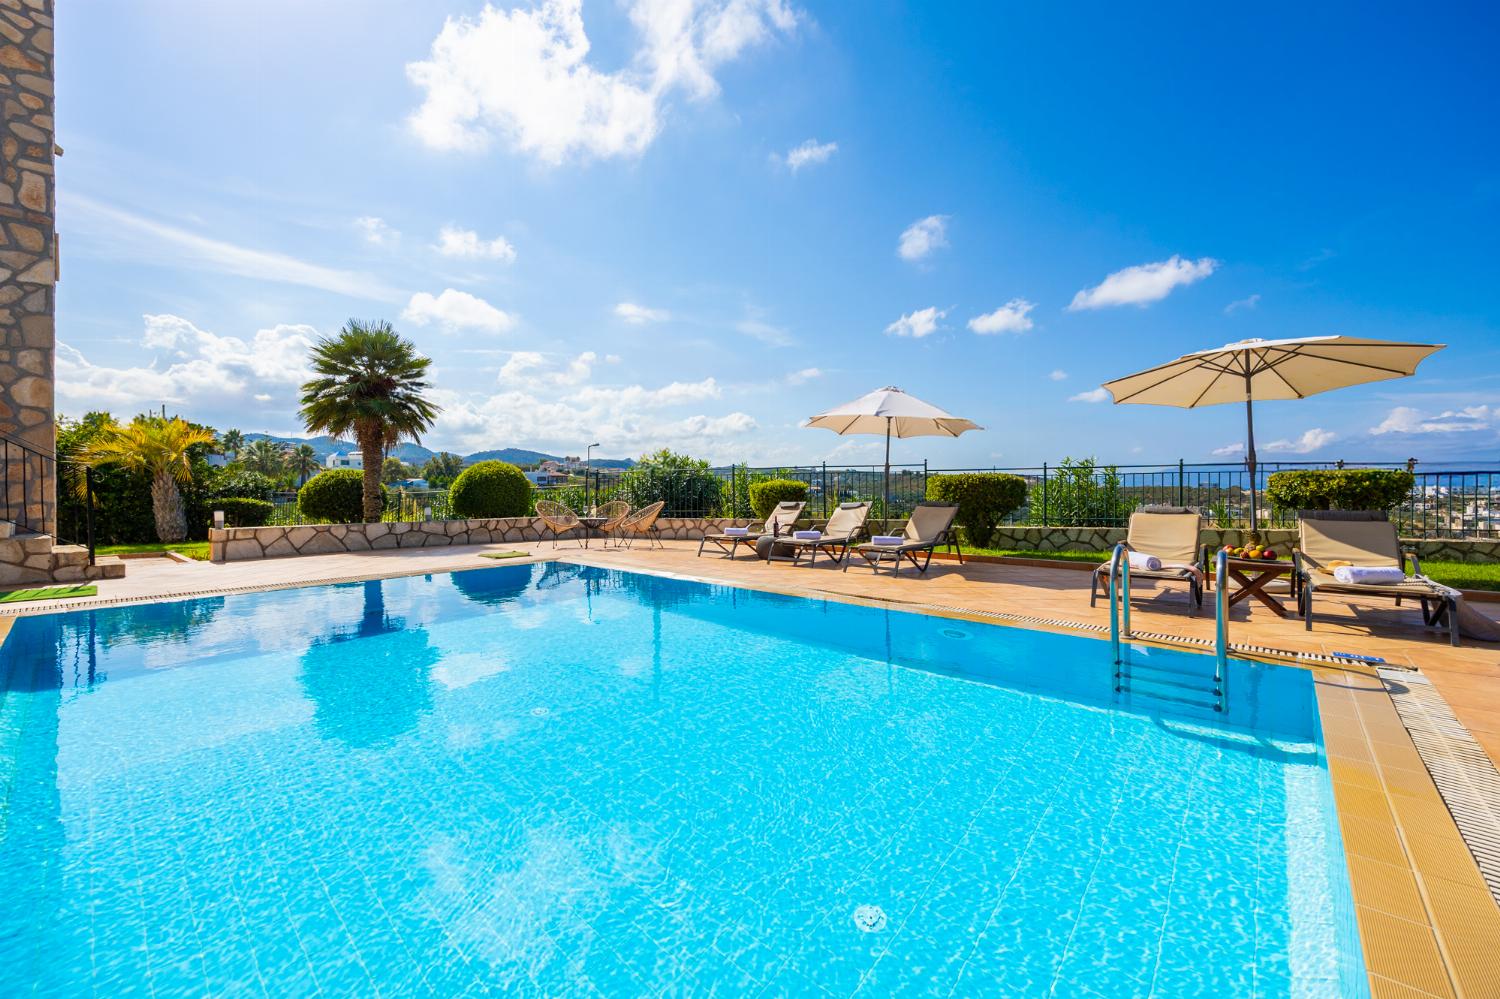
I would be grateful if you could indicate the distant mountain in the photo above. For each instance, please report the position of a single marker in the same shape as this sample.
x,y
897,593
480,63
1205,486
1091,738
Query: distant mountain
x,y
416,454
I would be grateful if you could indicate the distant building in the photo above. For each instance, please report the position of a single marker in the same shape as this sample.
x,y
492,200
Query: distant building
x,y
352,459
413,484
548,473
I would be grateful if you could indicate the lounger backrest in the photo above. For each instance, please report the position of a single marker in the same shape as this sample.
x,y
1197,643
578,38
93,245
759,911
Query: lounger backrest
x,y
928,521
1362,542
784,516
1171,537
847,519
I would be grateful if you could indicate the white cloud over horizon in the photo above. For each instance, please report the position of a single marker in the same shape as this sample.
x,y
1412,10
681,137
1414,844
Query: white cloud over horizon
x,y
524,75
466,244
808,153
636,314
924,236
1100,394
1310,441
922,322
454,310
1411,421
1143,284
1012,317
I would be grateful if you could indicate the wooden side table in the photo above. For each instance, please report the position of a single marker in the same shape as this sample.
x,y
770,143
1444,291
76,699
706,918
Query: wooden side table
x,y
1252,575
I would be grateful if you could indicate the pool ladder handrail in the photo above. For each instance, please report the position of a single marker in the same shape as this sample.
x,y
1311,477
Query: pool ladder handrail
x,y
1221,631
1119,585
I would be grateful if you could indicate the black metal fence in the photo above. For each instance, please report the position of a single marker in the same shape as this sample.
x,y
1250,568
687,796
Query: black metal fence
x,y
1443,503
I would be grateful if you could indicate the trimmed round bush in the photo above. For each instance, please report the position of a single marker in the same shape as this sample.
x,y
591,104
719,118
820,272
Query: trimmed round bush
x,y
336,496
243,511
241,482
490,489
984,499
1339,489
765,495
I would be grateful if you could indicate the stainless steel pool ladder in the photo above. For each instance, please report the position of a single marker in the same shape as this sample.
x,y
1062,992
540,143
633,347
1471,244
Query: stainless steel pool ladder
x,y
1119,628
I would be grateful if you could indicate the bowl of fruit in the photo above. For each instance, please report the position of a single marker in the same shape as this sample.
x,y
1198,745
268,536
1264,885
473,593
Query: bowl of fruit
x,y
1259,553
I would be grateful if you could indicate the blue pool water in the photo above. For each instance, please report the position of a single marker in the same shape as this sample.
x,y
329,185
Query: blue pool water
x,y
566,781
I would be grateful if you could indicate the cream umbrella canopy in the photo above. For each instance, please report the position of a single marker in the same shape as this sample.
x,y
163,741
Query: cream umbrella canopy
x,y
891,412
1251,370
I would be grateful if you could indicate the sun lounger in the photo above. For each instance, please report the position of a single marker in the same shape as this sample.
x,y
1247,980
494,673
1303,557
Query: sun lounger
x,y
930,525
1171,533
1330,538
780,522
846,526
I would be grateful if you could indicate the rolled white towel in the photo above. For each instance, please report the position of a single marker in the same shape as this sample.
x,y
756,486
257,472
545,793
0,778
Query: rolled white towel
x,y
1140,560
737,532
886,540
807,535
1361,575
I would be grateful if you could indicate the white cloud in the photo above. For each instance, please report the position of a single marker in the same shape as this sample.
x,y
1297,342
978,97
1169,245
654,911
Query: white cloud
x,y
922,237
457,310
1012,317
1242,304
529,366
376,231
524,74
1406,420
774,336
193,365
1143,284
465,243
809,153
1100,394
1229,450
639,315
804,376
918,324
146,240
1310,441
1058,375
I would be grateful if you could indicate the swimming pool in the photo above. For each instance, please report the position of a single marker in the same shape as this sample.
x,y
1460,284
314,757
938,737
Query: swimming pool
x,y
566,780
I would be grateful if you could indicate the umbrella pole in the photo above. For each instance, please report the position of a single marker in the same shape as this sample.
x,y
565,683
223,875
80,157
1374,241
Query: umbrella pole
x,y
1250,458
885,509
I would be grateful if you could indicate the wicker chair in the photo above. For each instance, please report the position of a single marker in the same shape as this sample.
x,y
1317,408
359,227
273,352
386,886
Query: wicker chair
x,y
642,524
559,519
613,512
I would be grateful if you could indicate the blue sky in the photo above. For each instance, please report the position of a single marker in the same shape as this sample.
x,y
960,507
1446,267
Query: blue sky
x,y
695,223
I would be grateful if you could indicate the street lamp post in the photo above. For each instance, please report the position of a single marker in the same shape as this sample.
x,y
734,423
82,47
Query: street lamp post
x,y
588,468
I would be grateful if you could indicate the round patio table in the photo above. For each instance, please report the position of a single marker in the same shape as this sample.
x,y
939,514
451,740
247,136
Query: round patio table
x,y
1252,576
591,525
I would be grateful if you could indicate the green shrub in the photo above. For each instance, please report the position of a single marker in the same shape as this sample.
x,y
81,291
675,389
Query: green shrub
x,y
240,482
244,511
490,489
1339,489
688,485
765,495
336,496
984,499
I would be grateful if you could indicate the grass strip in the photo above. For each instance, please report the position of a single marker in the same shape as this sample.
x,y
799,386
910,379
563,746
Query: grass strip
x,y
48,593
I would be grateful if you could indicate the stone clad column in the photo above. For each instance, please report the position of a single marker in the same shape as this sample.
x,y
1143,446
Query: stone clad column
x,y
28,265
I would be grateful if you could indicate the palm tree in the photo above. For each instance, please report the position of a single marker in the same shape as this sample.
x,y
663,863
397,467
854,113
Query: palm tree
x,y
442,468
303,463
266,457
369,386
232,443
162,449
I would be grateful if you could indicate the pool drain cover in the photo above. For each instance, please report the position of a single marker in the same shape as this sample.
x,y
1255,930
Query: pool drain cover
x,y
540,712
870,918
955,633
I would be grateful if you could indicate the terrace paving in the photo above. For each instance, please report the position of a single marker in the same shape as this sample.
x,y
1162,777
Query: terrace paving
x,y
1428,922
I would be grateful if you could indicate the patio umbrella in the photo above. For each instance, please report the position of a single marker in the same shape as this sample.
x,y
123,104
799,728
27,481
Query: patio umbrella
x,y
1251,370
891,412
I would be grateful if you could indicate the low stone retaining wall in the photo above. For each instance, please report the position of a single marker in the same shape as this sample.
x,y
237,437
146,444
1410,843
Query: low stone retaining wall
x,y
238,544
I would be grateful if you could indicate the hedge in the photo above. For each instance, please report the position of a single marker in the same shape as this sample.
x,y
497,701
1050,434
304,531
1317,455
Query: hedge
x,y
766,494
336,496
244,511
490,489
240,482
984,499
1339,489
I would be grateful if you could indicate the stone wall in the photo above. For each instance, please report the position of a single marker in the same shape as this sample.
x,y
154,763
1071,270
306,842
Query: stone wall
x,y
237,544
33,560
28,265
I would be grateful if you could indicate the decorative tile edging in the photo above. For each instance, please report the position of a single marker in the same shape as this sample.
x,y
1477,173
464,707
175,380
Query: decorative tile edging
x,y
239,544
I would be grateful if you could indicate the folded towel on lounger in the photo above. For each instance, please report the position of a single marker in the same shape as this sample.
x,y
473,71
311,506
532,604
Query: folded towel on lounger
x,y
737,532
886,539
1140,560
808,535
1360,575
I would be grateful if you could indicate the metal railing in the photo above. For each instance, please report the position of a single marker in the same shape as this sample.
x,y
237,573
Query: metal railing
x,y
1221,631
1119,604
28,484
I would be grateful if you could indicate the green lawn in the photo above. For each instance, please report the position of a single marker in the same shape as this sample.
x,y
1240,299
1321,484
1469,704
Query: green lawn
x,y
1464,575
192,549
